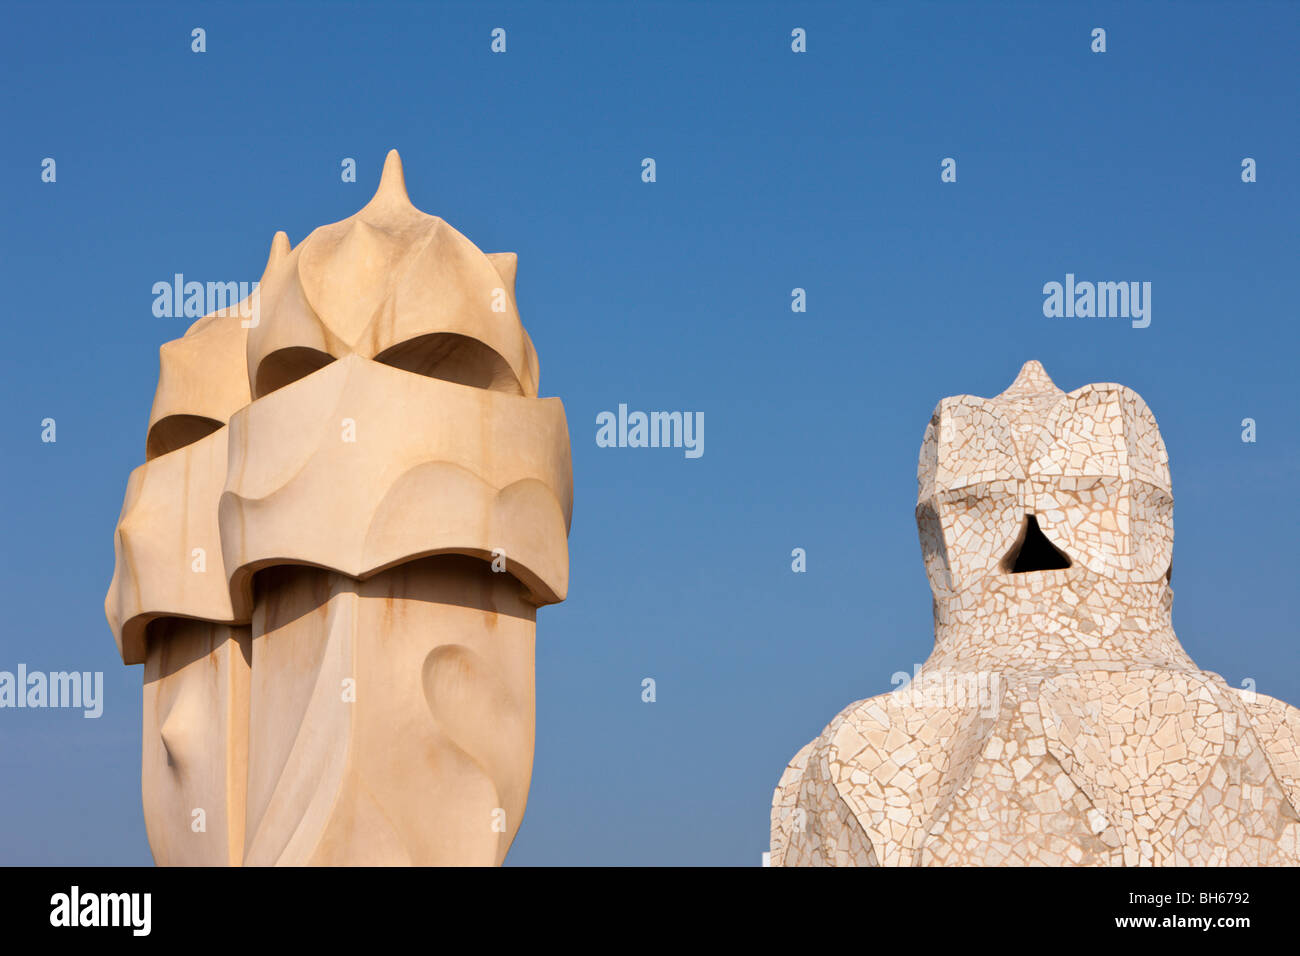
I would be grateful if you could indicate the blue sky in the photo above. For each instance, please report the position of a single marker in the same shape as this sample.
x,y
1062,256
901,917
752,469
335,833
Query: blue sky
x,y
775,170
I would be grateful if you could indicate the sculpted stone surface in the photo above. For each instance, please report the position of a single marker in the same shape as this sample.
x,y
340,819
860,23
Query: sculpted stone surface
x,y
1058,720
352,505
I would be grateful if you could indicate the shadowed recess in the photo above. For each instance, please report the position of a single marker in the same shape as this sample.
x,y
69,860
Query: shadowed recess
x,y
453,358
177,431
285,366
1033,552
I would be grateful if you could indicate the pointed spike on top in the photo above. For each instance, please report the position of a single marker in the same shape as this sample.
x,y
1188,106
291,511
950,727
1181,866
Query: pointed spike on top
x,y
1032,378
392,184
279,249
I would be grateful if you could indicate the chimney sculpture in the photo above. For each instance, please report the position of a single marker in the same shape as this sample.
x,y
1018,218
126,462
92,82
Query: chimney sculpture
x,y
1058,720
330,564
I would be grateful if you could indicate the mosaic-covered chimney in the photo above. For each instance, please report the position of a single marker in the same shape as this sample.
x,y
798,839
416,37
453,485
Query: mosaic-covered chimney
x,y
1058,719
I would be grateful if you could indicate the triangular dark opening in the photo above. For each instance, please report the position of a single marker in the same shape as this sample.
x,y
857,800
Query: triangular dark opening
x,y
1033,552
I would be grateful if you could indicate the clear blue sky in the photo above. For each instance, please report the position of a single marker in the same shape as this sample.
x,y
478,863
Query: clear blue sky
x,y
775,171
